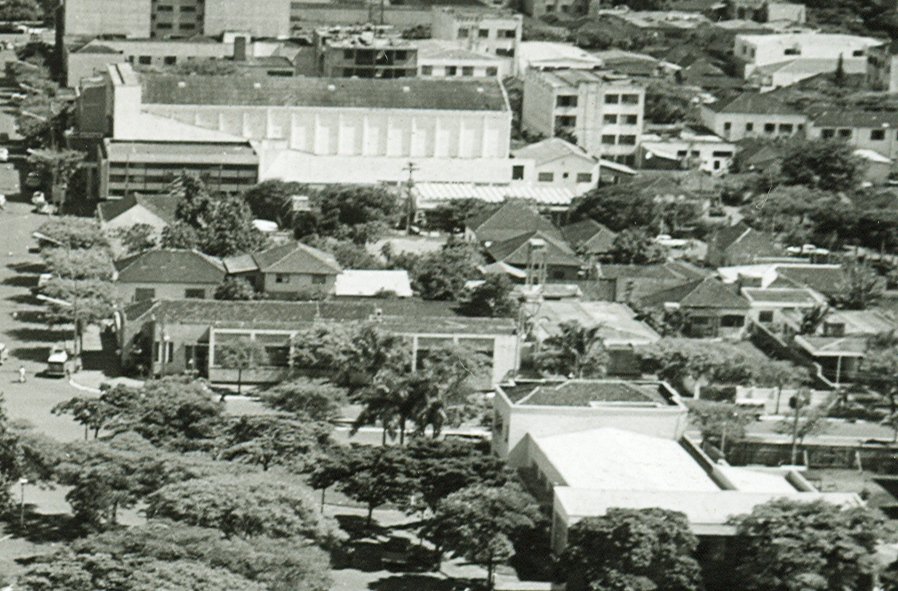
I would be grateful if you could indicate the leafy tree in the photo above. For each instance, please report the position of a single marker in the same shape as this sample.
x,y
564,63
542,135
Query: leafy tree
x,y
861,287
56,167
280,564
106,476
376,475
174,412
74,232
780,374
93,413
229,230
353,212
266,440
138,238
451,217
804,421
619,207
39,118
879,367
575,351
787,545
246,506
632,549
88,301
349,254
195,204
442,275
271,200
719,422
235,289
180,235
241,354
480,523
10,464
20,10
491,298
636,247
79,263
318,399
331,468
829,165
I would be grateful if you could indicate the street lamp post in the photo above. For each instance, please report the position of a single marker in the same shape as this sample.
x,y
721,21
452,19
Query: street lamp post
x,y
22,483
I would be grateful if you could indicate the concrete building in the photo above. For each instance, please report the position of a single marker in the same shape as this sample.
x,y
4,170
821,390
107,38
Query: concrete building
x,y
865,130
882,67
556,162
318,130
604,112
445,59
752,114
167,273
807,54
125,18
259,19
688,150
363,52
763,11
484,30
551,55
168,336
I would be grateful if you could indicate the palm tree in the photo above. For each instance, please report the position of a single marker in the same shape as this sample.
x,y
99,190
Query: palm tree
x,y
576,351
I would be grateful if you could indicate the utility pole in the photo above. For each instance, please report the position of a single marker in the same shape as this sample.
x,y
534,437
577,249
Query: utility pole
x,y
410,196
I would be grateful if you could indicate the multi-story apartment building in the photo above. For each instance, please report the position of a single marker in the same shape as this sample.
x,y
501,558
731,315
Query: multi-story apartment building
x,y
363,52
604,112
481,29
753,114
866,130
444,59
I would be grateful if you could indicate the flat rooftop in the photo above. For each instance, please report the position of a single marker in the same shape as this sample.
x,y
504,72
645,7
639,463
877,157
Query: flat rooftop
x,y
404,93
589,393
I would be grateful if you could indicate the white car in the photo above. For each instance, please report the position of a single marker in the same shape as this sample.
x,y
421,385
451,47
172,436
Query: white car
x,y
4,154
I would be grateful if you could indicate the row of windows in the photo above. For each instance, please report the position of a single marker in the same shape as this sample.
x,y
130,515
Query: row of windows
x,y
387,73
621,140
285,278
623,99
548,177
182,26
622,119
485,33
142,294
876,135
768,127
454,70
147,60
372,57
165,8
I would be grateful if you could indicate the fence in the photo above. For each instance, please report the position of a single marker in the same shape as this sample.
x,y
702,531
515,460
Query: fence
x,y
878,458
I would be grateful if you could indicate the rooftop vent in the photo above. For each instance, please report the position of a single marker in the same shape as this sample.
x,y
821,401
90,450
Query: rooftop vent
x,y
182,84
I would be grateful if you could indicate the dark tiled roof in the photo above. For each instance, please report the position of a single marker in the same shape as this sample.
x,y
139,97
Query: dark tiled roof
x,y
780,295
163,206
236,313
584,392
754,103
822,278
667,270
447,325
579,232
724,237
109,210
514,251
405,93
711,293
671,294
510,220
168,265
857,119
296,257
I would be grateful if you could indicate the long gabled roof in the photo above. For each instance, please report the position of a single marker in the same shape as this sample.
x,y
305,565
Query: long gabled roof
x,y
162,206
551,149
510,220
711,293
589,236
169,265
754,103
514,251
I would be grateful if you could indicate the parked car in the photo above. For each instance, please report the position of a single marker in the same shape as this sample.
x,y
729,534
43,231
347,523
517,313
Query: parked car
x,y
33,180
4,154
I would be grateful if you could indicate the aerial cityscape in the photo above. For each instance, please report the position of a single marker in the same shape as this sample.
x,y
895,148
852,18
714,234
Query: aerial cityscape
x,y
449,295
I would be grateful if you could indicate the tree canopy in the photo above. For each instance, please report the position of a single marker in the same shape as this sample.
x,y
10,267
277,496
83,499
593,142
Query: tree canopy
x,y
492,298
574,351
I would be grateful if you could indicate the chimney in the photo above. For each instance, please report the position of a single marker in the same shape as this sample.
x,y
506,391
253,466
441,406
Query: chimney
x,y
240,49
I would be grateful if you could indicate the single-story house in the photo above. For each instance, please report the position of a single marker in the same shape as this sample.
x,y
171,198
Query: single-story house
x,y
168,273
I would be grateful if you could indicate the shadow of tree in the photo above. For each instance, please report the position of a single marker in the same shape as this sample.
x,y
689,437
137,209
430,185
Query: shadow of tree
x,y
27,268
21,280
43,335
40,528
422,582
23,298
32,317
38,354
357,527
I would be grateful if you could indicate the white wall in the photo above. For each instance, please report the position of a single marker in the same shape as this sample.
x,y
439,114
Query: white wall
x,y
130,18
269,18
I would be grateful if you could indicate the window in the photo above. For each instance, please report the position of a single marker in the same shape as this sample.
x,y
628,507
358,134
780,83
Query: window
x,y
348,72
319,279
749,127
188,9
508,34
629,99
565,175
550,8
785,128
145,60
765,316
681,153
800,127
769,127
792,51
505,52
732,321
584,177
195,294
845,133
170,60
610,119
727,126
631,119
722,154
717,165
566,100
401,56
427,70
857,53
163,26
164,8
877,135
827,133
492,72
627,140
462,33
169,351
467,70
608,140
281,278
565,121
546,177
451,70
348,54
517,172
187,26
612,99
142,294
483,33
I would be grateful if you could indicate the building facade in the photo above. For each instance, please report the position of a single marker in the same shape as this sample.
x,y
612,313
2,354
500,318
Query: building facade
x,y
755,51
753,114
484,30
865,130
603,112
882,67
363,52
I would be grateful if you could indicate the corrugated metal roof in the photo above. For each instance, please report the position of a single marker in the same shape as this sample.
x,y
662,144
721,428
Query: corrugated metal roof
x,y
439,192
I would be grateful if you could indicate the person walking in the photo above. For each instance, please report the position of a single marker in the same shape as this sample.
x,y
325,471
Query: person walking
x,y
22,375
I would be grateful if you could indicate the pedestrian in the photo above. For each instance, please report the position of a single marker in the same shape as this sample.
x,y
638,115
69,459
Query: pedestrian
x,y
22,375
2,202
